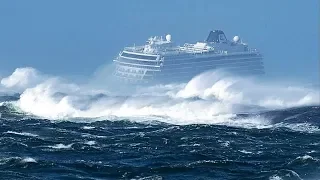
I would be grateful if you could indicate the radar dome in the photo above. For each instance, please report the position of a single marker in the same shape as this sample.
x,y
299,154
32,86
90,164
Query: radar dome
x,y
236,39
168,37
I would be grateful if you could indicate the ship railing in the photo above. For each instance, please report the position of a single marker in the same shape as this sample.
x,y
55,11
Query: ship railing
x,y
134,49
140,49
190,48
194,50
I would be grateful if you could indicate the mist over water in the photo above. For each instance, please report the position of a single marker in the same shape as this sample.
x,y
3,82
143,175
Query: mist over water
x,y
209,98
215,126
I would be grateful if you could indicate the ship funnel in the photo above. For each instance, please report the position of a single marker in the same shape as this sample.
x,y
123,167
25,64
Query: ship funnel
x,y
216,36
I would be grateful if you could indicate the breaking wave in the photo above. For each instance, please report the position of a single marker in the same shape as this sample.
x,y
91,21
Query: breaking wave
x,y
213,97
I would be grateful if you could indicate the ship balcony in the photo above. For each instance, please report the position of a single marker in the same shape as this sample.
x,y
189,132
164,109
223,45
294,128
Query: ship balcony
x,y
136,64
133,77
130,70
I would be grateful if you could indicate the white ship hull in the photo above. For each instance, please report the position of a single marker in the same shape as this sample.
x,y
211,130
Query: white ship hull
x,y
175,65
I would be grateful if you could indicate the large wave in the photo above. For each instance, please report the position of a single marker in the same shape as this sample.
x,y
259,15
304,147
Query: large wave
x,y
213,97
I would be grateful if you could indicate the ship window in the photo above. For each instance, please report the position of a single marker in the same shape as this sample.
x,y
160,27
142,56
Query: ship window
x,y
139,56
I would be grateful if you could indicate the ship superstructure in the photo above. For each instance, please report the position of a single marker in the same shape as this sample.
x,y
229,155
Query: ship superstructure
x,y
160,60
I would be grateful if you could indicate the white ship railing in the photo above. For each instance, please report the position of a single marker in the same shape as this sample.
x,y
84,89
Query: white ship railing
x,y
187,48
134,49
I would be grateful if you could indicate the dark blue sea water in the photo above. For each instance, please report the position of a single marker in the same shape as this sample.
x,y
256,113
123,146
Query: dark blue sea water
x,y
216,126
37,148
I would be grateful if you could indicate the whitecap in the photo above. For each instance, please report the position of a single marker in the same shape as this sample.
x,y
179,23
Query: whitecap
x,y
306,157
245,152
209,98
90,143
88,127
22,133
28,160
155,177
134,144
202,162
285,173
61,146
312,151
275,177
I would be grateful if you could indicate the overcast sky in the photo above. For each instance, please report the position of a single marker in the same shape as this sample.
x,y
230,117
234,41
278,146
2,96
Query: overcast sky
x,y
75,37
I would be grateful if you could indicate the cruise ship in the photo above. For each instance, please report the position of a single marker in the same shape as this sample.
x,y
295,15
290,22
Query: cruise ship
x,y
161,61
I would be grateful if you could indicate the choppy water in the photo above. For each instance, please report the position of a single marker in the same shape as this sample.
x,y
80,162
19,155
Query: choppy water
x,y
213,127
289,148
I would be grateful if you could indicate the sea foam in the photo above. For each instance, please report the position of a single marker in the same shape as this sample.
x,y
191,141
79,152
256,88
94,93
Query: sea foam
x,y
213,97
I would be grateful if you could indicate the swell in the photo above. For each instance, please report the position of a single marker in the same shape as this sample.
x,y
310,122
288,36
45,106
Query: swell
x,y
126,150
213,97
303,119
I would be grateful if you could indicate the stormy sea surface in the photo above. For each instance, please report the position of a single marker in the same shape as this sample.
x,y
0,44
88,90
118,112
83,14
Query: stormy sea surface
x,y
213,127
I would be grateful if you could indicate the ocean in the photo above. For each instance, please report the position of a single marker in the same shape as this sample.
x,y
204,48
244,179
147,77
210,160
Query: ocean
x,y
208,128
